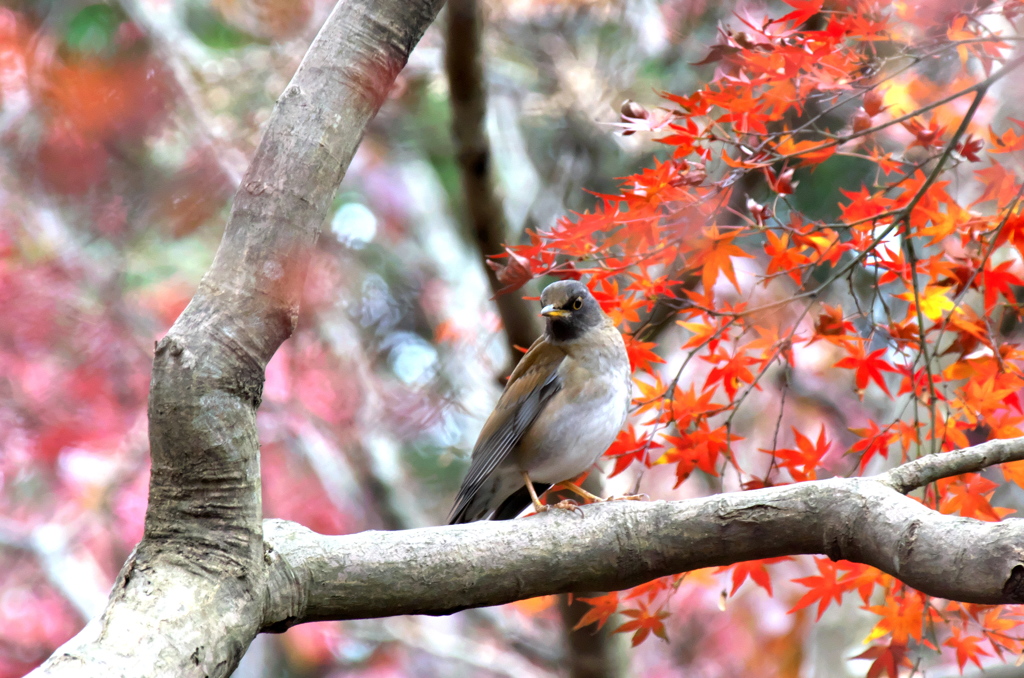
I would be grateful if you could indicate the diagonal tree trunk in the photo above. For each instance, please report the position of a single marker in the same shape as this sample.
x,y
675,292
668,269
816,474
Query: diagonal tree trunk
x,y
190,598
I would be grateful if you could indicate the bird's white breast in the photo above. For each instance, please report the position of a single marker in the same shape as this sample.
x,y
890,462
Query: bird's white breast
x,y
582,419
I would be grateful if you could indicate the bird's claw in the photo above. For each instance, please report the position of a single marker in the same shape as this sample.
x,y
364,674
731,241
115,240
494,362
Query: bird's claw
x,y
565,504
630,497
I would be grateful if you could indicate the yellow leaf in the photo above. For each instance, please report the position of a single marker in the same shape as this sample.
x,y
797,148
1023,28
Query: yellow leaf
x,y
933,302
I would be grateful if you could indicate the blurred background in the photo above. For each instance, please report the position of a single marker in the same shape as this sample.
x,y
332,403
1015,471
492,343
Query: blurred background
x,y
125,129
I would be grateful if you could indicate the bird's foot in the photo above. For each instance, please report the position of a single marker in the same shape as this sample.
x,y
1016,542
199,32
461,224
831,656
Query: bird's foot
x,y
629,497
565,504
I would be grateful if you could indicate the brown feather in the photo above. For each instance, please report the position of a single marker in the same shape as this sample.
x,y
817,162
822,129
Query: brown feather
x,y
536,367
532,384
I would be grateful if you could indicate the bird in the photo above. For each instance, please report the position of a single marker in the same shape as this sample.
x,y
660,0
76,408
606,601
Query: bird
x,y
562,407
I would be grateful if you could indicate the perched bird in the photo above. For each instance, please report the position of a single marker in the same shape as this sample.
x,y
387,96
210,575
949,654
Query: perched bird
x,y
562,407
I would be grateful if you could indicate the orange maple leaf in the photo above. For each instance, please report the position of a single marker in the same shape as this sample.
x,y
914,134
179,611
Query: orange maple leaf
x,y
641,355
807,456
1014,472
808,152
902,616
784,257
687,406
1000,184
969,495
718,258
602,607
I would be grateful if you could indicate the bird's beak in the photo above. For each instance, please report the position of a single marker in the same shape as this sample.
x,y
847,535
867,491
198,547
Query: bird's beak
x,y
551,312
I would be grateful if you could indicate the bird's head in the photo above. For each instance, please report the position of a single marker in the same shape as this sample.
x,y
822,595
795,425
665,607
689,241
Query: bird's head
x,y
570,309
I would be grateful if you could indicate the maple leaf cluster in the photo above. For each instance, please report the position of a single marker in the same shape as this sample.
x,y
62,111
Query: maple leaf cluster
x,y
738,290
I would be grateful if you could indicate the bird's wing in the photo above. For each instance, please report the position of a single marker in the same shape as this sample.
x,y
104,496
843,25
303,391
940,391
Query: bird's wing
x,y
532,384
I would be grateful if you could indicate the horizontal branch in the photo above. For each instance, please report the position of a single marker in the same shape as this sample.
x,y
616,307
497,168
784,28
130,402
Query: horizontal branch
x,y
616,545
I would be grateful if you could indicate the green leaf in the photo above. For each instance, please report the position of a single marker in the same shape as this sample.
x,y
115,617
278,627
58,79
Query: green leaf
x,y
210,28
93,29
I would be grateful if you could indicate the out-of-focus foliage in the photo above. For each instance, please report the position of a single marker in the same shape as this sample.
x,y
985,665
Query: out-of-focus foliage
x,y
126,127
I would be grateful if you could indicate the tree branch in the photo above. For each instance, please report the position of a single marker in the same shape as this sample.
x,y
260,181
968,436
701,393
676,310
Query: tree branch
x,y
208,370
930,468
617,545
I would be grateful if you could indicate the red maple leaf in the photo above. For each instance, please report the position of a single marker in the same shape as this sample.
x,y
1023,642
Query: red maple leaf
x,y
874,441
699,448
823,588
732,374
966,648
643,623
888,658
755,569
998,279
627,448
868,367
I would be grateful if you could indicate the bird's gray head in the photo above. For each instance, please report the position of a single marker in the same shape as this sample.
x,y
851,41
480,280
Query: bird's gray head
x,y
570,309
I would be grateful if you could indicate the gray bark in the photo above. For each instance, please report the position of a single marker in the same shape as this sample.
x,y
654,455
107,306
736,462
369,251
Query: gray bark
x,y
209,574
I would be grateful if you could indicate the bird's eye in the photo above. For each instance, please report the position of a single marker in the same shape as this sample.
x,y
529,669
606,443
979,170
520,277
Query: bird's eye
x,y
577,303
